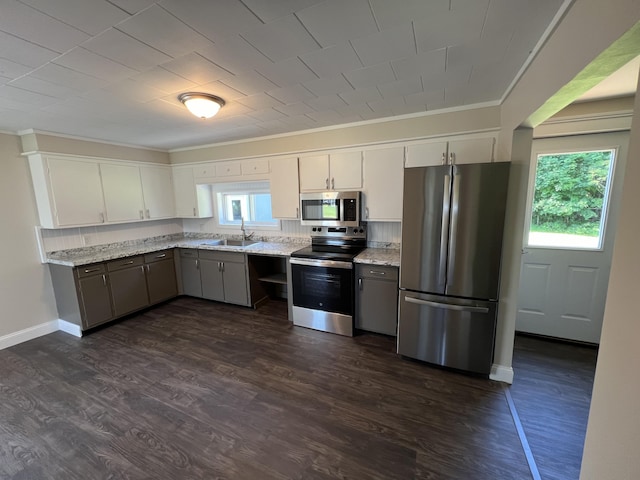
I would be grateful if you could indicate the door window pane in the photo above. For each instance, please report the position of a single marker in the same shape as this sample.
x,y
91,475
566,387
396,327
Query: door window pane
x,y
570,199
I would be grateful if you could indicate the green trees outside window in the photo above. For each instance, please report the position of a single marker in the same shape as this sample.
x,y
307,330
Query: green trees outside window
x,y
570,194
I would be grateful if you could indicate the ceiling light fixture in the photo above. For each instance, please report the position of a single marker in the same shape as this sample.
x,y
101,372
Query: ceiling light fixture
x,y
203,105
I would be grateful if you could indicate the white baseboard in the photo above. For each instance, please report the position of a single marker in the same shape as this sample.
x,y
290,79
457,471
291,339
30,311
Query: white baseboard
x,y
70,328
27,334
500,373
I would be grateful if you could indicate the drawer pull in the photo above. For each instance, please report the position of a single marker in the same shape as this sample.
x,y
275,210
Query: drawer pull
x,y
376,272
91,270
127,263
162,255
104,280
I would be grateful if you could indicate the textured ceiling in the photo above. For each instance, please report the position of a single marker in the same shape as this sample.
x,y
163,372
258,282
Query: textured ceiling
x,y
112,70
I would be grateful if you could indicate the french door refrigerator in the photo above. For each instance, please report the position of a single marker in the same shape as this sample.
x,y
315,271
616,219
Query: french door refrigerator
x,y
452,226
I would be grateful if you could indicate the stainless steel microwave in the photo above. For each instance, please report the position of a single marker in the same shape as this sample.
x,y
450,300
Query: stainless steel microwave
x,y
330,209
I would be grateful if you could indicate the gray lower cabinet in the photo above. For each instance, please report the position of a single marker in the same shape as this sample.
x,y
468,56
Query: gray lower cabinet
x,y
190,271
161,276
224,276
128,281
95,295
377,298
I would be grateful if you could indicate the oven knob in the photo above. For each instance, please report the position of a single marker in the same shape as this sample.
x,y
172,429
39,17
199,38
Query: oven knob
x,y
313,229
361,230
319,229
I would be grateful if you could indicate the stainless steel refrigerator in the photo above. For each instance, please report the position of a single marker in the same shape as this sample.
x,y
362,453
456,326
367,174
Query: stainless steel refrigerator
x,y
452,227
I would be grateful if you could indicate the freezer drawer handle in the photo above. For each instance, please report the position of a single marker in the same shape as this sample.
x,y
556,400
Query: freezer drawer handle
x,y
459,308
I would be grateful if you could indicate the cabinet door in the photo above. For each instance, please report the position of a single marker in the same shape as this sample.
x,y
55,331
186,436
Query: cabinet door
x,y
191,200
475,150
211,277
161,280
157,191
96,300
314,173
383,176
76,192
190,267
345,171
377,299
285,192
255,167
128,290
235,283
426,154
122,192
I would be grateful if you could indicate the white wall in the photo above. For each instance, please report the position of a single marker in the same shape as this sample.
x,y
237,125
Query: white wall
x,y
613,431
26,295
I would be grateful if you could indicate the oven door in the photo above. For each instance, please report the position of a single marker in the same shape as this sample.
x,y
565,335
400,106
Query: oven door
x,y
323,285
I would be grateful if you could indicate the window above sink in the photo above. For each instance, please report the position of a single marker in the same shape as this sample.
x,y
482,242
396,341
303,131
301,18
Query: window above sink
x,y
248,201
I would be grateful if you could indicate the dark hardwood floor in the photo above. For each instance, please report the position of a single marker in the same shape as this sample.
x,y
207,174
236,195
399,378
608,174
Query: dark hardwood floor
x,y
552,393
201,390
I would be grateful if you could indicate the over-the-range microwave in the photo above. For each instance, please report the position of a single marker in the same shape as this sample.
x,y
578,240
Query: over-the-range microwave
x,y
330,209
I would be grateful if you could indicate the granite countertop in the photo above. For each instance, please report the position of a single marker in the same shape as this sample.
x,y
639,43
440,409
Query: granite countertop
x,y
102,253
379,256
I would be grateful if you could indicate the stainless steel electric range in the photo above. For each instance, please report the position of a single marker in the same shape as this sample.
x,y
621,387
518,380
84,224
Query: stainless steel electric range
x,y
323,279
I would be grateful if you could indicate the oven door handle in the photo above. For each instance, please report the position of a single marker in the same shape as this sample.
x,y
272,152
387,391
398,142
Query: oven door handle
x,y
322,263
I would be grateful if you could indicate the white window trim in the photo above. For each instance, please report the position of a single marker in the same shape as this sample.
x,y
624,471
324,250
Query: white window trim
x,y
533,167
241,188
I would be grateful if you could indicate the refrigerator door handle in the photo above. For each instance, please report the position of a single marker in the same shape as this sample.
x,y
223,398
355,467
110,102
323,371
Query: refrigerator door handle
x,y
444,230
455,198
447,306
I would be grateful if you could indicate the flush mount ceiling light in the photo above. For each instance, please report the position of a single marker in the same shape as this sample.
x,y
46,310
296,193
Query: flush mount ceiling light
x,y
203,105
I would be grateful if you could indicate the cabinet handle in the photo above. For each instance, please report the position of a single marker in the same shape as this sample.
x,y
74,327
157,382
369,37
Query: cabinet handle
x,y
219,267
90,270
366,212
197,264
104,280
360,283
452,158
332,183
326,182
127,263
194,211
222,265
148,215
148,268
297,212
444,158
162,255
142,268
141,214
101,216
376,272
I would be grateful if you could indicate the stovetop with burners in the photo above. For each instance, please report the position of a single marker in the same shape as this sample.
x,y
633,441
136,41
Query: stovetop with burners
x,y
334,243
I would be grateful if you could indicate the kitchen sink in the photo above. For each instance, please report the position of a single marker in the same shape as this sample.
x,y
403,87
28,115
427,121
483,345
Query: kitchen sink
x,y
230,243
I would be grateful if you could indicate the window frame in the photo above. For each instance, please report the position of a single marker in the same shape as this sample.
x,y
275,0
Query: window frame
x,y
241,188
533,168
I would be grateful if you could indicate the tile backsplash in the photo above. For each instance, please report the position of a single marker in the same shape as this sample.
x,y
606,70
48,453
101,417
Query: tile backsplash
x,y
383,233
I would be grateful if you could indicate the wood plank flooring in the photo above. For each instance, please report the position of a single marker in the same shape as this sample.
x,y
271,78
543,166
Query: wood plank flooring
x,y
552,393
200,390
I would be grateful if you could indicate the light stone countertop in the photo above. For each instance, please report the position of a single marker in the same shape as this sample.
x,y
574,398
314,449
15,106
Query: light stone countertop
x,y
380,256
101,253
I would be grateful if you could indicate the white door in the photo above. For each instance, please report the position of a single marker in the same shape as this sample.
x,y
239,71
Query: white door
x,y
383,177
346,171
569,237
122,192
285,191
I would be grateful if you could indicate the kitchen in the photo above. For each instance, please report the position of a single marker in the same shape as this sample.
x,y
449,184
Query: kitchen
x,y
26,274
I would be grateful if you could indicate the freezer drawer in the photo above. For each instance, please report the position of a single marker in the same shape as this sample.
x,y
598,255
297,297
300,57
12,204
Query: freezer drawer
x,y
446,331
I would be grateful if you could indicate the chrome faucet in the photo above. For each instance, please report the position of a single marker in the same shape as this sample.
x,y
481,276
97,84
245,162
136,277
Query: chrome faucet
x,y
244,233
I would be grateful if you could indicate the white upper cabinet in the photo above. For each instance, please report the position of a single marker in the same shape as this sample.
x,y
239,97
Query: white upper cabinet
x,y
452,152
157,191
192,201
383,179
285,192
68,191
122,192
474,150
337,171
255,166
